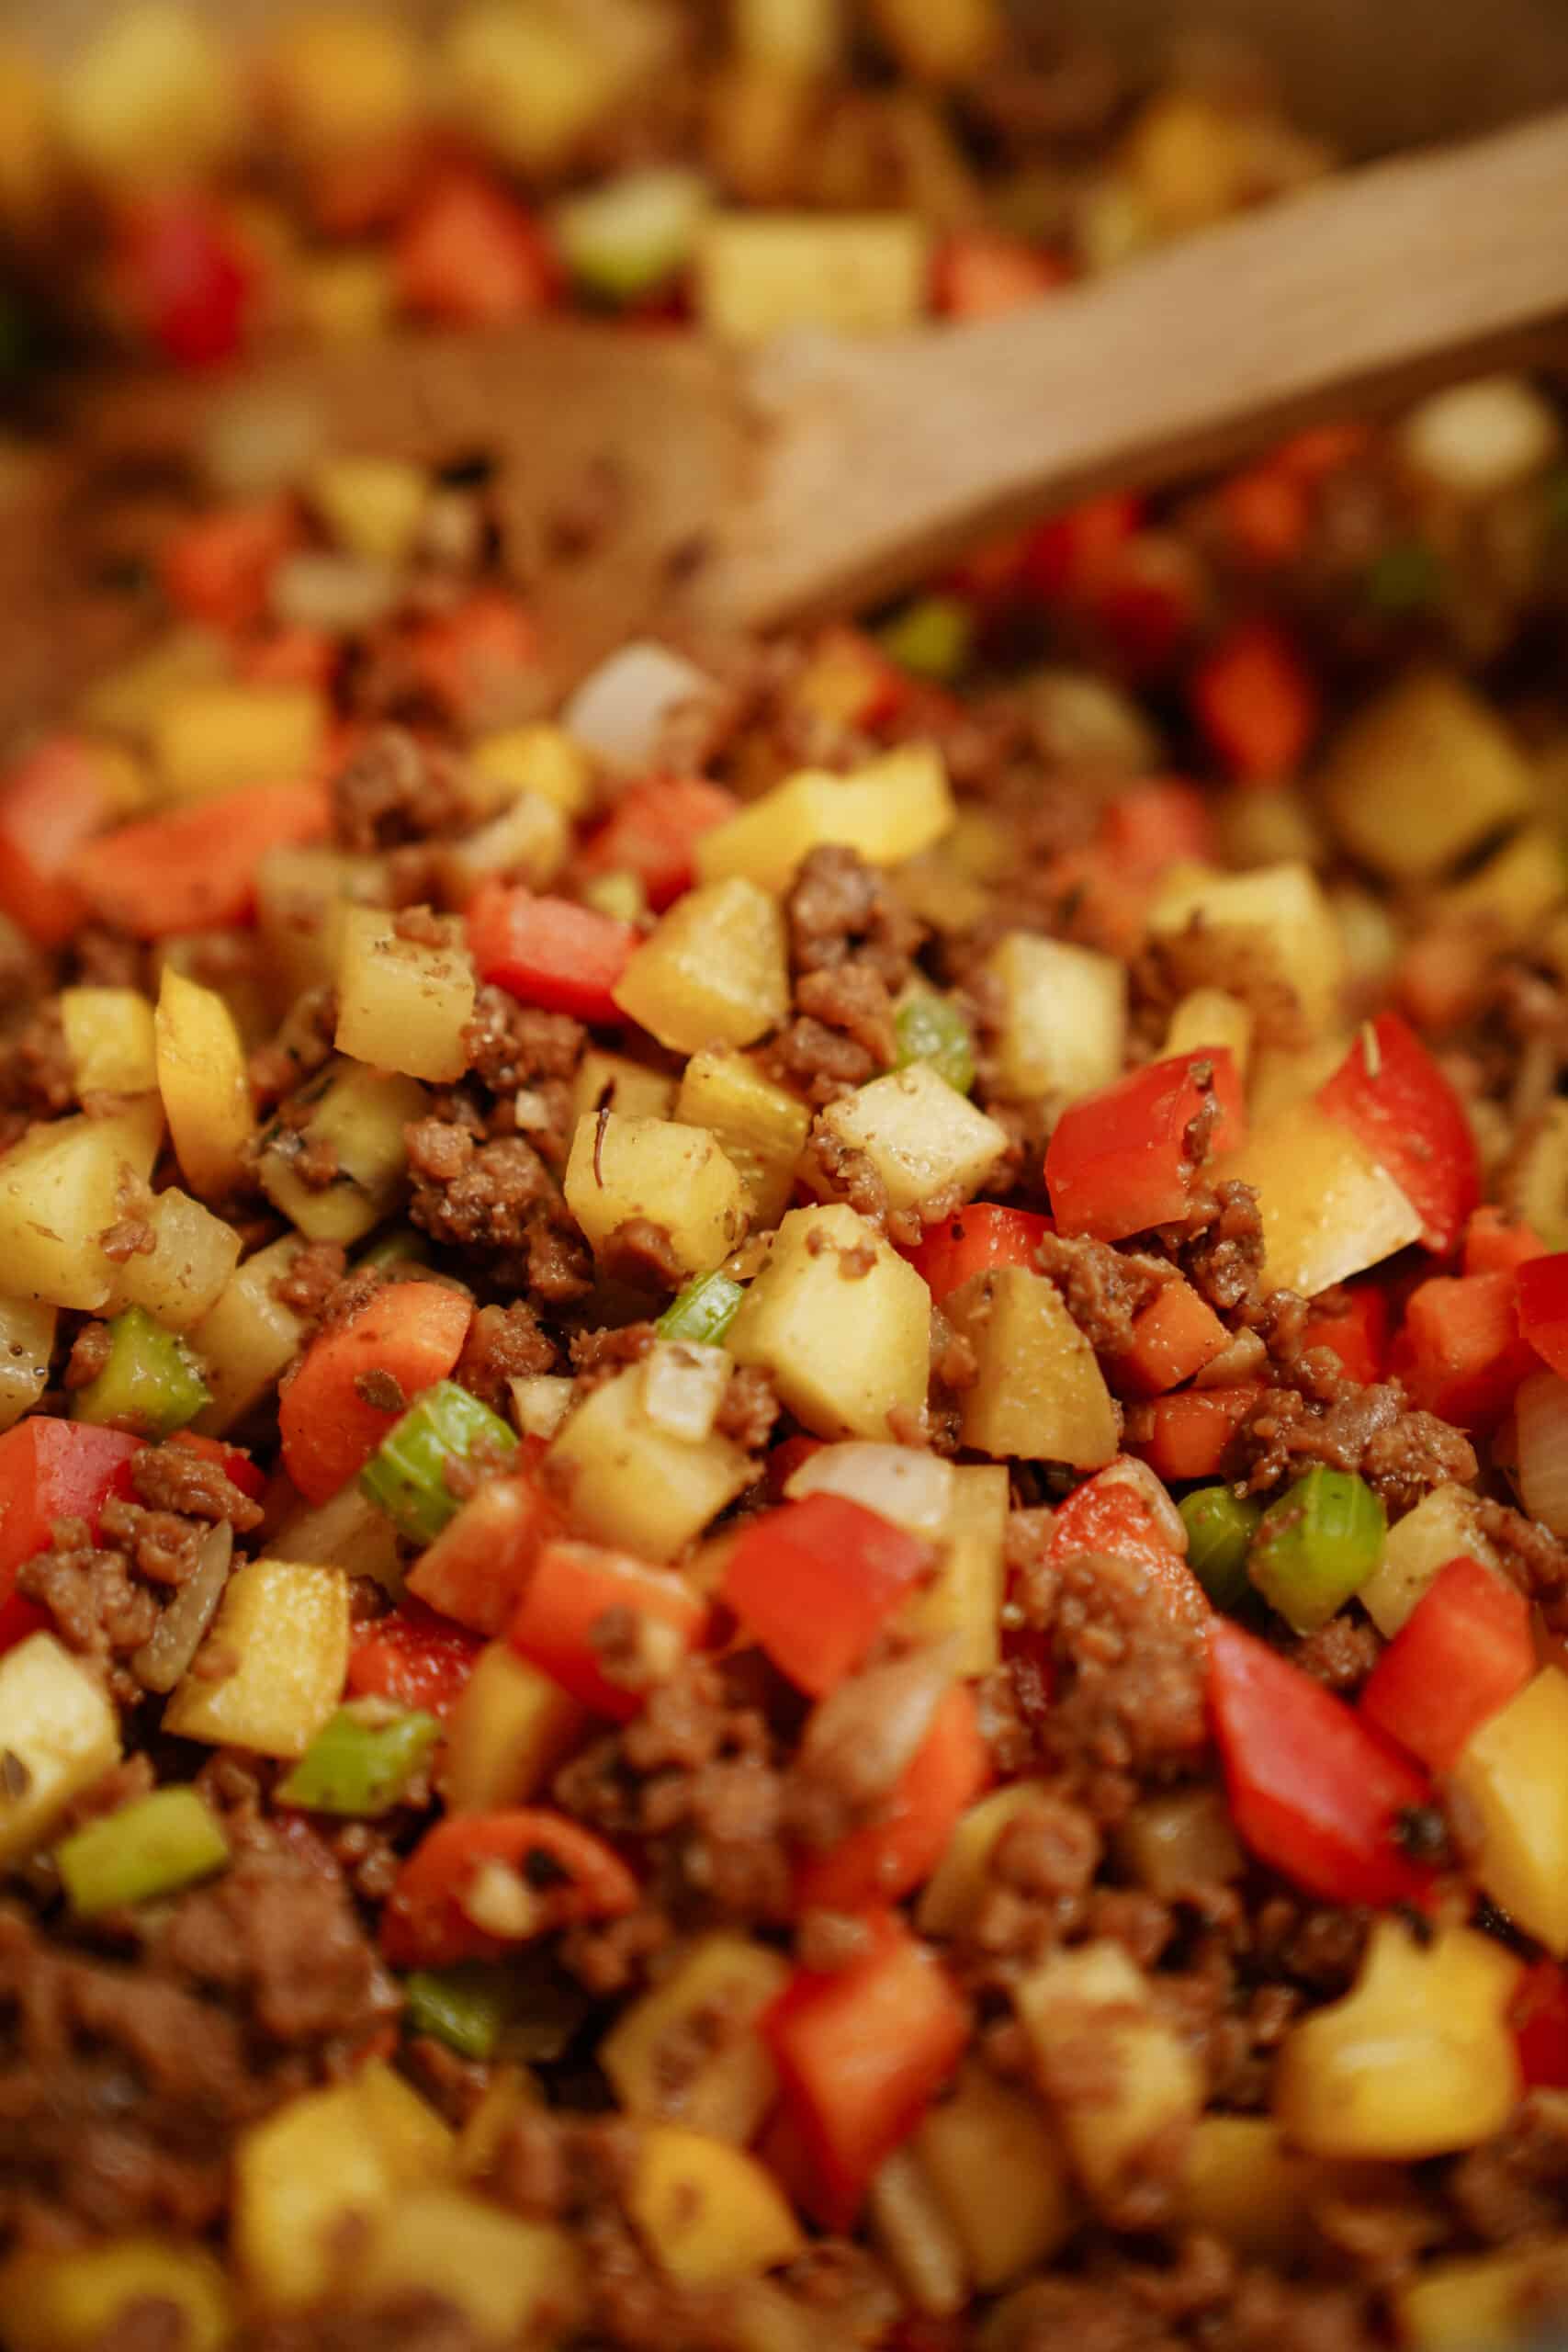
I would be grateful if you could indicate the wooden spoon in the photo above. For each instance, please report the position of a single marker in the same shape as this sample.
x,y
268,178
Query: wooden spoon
x,y
655,483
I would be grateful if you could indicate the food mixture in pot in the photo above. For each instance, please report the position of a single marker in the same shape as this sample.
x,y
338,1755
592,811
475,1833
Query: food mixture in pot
x,y
783,1504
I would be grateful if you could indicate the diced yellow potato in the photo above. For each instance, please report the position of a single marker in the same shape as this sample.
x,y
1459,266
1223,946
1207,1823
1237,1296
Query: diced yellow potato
x,y
245,993
963,1602
59,1724
763,1127
509,1730
920,1134
55,2303
706,2211
1496,2300
247,1335
359,1114
402,1004
346,297
1443,1524
1152,2085
286,1626
184,1274
348,1532
1246,2187
1063,1020
373,506
341,80
957,1886
630,1483
108,1037
714,972
303,892
515,2281
1209,1017
538,758
528,841
1514,890
1038,1390
1275,828
60,1190
1512,1781
127,699
1180,1839
631,1090
208,738
27,1343
676,1177
999,2169
1188,162
788,36
30,141
528,81
1425,773
318,2167
1329,1209
512,2091
706,2009
1283,1076
1269,937
1417,2060
842,1323
202,1080
891,809
758,274
940,40
1475,441
151,98
935,893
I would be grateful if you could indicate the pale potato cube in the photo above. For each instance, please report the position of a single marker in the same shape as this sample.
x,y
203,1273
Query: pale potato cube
x,y
1329,1209
1283,1076
611,1082
1063,1023
507,1733
842,1322
373,506
630,1483
183,1276
361,1114
202,1080
342,80
538,758
515,2282
728,2089
790,36
676,1177
526,81
109,1037
762,1127
208,738
940,40
151,99
402,1003
1210,1017
999,2169
286,1626
758,274
963,1602
1496,2300
126,700
1245,2184
346,297
1269,937
247,1335
1426,772
1443,1525
1038,1390
303,889
706,2211
1477,440
714,972
1511,1778
1152,2084
921,1136
348,1532
891,809
1512,891
61,1188
57,1721
27,1343
55,2301
528,841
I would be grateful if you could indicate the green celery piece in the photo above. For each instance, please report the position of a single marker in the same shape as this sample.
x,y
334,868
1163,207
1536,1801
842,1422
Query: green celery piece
x,y
406,1474
1316,1546
703,1312
930,1029
1220,1527
148,1848
150,1384
468,2007
1405,578
629,236
362,1760
933,638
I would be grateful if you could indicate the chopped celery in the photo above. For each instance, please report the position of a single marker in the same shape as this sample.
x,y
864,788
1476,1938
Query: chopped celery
x,y
150,1383
704,1311
1316,1546
362,1760
929,1028
932,637
626,238
1219,1526
406,1475
1405,578
149,1847
466,2007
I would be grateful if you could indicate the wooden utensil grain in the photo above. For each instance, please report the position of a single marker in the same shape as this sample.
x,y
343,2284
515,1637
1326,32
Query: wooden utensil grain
x,y
656,483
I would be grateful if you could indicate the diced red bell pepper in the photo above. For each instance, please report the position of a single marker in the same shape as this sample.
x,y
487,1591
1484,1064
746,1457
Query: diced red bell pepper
x,y
1460,1654
1111,1516
51,1470
975,1241
195,869
1542,1299
1256,703
52,803
414,1658
1494,1240
1266,513
983,273
469,255
1314,1791
1395,1099
1148,600
861,2053
478,1566
1539,2019
1188,1436
653,831
850,681
186,280
564,1874
891,1855
1355,1327
1066,556
1459,1352
572,1589
217,568
813,1583
1173,1337
1152,826
1118,1160
549,952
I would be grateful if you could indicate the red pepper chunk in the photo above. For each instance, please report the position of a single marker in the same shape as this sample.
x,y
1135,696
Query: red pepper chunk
x,y
563,1874
892,1855
51,1470
479,1566
1539,2019
415,1657
1542,1298
813,1584
653,832
1256,703
1119,1160
1109,1515
186,280
1459,1352
861,2055
1461,1654
572,1589
1314,1791
1395,1099
975,1241
550,951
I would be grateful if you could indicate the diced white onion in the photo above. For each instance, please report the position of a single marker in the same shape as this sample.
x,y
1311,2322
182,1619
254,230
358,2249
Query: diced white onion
x,y
530,1110
621,710
910,2225
341,592
541,1402
1541,1413
1243,1359
1126,1471
682,1387
175,1640
912,1489
498,1900
866,1731
348,1531
1479,439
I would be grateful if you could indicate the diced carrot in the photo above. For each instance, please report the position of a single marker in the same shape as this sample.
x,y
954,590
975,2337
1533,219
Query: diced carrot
x,y
1266,513
411,1333
549,952
573,1587
1494,1240
50,804
470,660
653,831
217,568
1321,451
1256,703
888,1857
982,273
1173,1337
1354,1328
1150,826
289,656
468,253
1187,1435
1459,1353
1068,554
195,869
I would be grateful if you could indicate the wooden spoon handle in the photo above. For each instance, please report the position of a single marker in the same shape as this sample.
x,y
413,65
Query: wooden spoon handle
x,y
889,457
